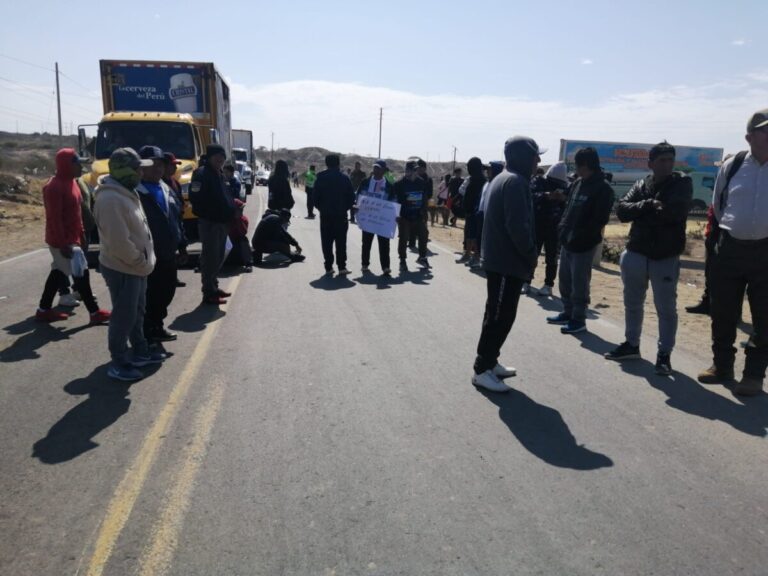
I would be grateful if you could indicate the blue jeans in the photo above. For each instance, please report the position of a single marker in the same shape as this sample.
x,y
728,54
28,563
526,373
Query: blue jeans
x,y
129,296
575,277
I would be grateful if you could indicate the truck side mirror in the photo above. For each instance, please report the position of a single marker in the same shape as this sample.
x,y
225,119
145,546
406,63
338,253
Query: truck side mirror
x,y
214,136
82,142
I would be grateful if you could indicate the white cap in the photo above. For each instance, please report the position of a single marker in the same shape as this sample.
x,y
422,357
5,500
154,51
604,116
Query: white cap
x,y
558,171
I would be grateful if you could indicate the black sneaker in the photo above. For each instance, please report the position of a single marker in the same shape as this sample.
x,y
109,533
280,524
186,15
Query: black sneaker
x,y
663,364
624,351
403,265
700,308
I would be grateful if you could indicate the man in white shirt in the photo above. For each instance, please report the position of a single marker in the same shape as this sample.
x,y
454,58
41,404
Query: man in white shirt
x,y
740,262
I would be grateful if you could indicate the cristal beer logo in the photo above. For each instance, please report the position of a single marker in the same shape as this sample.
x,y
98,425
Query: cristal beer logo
x,y
183,91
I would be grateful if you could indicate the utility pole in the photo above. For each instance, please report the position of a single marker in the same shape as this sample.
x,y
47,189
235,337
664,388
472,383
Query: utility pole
x,y
58,97
381,117
272,153
454,159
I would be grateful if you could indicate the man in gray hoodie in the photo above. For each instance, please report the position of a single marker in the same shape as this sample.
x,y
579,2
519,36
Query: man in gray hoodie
x,y
508,256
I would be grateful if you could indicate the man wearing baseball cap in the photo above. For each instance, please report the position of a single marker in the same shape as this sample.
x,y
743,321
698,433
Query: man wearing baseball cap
x,y
740,261
126,258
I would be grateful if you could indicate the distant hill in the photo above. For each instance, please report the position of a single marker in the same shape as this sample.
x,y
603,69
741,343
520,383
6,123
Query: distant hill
x,y
300,159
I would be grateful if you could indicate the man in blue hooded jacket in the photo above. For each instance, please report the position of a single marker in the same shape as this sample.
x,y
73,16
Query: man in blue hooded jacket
x,y
508,256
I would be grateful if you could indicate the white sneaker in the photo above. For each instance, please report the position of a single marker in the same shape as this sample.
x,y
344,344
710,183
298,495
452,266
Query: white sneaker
x,y
504,371
525,288
489,381
69,301
545,291
461,259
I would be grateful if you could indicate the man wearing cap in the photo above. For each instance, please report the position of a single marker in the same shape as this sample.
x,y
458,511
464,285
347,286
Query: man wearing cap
x,y
126,258
65,234
310,177
215,210
171,166
508,257
495,167
164,219
548,203
429,190
581,232
376,186
740,261
411,195
334,197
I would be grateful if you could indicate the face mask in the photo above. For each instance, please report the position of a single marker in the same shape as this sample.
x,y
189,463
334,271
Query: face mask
x,y
127,176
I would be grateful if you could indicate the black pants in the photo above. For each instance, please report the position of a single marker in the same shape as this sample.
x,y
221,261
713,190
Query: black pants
x,y
240,255
738,267
260,248
333,230
383,250
500,314
56,279
405,227
310,201
547,238
161,288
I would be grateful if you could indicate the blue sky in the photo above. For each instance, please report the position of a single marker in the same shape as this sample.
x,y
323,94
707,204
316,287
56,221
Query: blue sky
x,y
469,75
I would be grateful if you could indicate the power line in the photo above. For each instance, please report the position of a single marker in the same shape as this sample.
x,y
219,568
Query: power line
x,y
27,63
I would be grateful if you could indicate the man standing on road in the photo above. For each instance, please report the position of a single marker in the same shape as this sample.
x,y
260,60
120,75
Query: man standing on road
x,y
740,261
410,193
164,219
473,190
310,177
508,256
658,207
356,177
429,190
126,257
548,203
376,187
581,231
456,199
334,197
215,210
65,234
171,165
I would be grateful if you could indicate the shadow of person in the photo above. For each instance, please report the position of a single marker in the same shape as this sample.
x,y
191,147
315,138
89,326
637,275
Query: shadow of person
x,y
419,276
382,282
73,435
594,343
196,320
687,395
34,335
330,283
543,432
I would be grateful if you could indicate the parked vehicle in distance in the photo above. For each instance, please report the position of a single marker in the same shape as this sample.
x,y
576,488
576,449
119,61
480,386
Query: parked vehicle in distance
x,y
262,177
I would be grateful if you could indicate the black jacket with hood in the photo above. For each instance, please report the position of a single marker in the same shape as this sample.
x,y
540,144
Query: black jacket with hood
x,y
509,243
657,234
586,214
474,186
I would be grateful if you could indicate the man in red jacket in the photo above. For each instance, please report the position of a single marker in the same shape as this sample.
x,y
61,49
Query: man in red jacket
x,y
63,234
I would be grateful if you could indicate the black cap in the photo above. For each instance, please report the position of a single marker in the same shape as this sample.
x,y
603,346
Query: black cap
x,y
285,214
151,153
411,165
213,149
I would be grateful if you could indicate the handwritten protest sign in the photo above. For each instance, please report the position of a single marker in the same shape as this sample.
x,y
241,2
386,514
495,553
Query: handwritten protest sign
x,y
377,216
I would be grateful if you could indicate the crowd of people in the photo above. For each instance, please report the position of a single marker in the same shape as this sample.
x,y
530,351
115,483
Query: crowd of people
x,y
512,211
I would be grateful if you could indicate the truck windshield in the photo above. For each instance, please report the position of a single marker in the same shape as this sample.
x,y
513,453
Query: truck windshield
x,y
241,155
173,137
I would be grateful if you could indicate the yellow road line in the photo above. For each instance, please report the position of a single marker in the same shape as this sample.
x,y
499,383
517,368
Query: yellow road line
x,y
130,486
157,557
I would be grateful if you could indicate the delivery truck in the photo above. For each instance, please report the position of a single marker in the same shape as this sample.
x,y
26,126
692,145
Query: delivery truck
x,y
242,154
179,106
628,162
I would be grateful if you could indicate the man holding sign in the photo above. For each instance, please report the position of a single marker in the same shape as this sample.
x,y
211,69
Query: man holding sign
x,y
370,195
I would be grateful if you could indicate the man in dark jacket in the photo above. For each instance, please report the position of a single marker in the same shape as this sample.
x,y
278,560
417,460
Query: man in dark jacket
x,y
473,189
508,256
549,196
333,198
411,195
215,210
581,231
457,202
658,207
171,166
376,187
271,235
164,219
356,177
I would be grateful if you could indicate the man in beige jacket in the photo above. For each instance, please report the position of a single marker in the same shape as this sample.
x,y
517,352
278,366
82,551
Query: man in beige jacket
x,y
126,258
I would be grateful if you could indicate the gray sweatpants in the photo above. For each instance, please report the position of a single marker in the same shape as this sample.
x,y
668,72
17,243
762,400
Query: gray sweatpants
x,y
213,237
636,270
126,324
575,277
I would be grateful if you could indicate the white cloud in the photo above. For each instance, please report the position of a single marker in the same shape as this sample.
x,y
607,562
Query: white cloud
x,y
344,117
738,42
587,62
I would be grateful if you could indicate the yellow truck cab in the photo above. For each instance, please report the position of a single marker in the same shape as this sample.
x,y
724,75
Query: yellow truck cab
x,y
180,107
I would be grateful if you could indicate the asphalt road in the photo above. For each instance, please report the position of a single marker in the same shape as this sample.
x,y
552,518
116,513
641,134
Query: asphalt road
x,y
328,426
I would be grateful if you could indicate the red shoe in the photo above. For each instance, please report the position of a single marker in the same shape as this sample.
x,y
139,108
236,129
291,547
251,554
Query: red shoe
x,y
221,294
100,317
50,315
214,299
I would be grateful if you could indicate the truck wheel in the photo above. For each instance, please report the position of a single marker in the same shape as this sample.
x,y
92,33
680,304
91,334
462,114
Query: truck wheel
x,y
698,206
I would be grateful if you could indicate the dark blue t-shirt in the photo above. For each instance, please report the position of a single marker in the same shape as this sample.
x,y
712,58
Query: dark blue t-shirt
x,y
156,191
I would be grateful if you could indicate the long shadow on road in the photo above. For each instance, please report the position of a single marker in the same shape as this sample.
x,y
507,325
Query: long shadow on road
x,y
32,336
196,320
73,435
543,432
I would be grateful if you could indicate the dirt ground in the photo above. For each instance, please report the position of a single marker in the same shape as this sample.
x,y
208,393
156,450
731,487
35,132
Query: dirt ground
x,y
693,333
22,226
